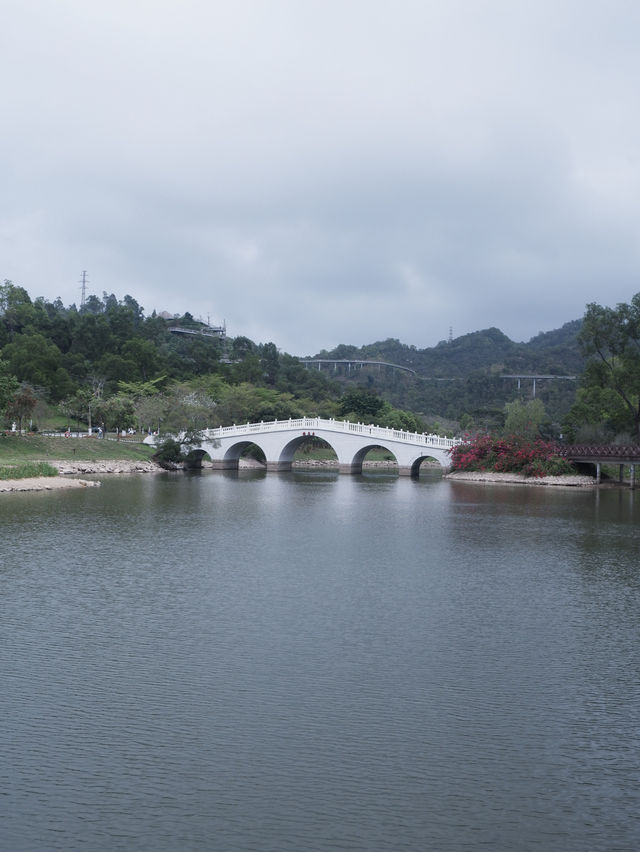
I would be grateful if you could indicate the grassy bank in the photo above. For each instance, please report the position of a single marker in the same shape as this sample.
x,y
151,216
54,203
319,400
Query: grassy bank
x,y
20,449
26,470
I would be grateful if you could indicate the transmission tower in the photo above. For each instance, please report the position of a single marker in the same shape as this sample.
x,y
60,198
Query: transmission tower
x,y
84,280
450,334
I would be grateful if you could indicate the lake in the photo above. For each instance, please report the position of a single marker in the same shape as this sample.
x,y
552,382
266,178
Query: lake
x,y
307,661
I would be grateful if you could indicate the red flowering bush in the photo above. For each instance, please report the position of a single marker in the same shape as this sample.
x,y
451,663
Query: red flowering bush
x,y
509,455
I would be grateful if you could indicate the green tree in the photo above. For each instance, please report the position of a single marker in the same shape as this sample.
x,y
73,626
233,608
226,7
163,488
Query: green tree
x,y
16,309
598,415
187,411
91,335
115,368
247,370
116,412
21,405
145,356
150,412
203,354
241,347
81,406
526,419
246,403
34,359
270,360
8,385
396,418
361,405
610,384
149,404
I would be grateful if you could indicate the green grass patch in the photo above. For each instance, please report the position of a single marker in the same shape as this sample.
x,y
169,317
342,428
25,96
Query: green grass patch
x,y
27,470
315,454
17,449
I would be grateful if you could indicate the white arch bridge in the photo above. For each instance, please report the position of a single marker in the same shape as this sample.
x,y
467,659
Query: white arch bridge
x,y
351,442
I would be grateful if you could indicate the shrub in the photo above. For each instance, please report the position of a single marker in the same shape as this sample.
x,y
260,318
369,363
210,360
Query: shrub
x,y
509,455
168,454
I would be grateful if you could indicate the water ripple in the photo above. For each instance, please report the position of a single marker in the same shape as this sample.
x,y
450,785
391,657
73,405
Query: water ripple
x,y
278,663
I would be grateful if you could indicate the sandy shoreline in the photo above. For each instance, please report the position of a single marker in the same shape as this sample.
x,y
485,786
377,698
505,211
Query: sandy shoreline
x,y
45,483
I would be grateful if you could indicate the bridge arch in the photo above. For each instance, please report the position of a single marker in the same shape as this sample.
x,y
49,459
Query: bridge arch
x,y
355,465
232,454
288,451
351,442
194,458
417,464
406,466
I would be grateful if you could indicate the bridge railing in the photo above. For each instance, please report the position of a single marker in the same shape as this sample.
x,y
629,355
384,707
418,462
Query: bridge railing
x,y
330,425
576,452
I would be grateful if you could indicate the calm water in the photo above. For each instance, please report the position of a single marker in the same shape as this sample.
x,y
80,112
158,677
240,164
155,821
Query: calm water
x,y
313,662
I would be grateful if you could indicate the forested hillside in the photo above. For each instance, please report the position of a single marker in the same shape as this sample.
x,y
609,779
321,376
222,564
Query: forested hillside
x,y
550,352
107,362
465,375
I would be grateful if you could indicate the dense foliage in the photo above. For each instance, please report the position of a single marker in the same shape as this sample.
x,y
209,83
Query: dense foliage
x,y
467,375
509,455
607,405
106,364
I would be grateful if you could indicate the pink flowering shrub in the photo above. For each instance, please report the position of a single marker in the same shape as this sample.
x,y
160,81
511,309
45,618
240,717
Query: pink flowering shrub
x,y
509,455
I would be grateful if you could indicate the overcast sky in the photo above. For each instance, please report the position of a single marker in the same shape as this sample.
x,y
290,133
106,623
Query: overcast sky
x,y
317,172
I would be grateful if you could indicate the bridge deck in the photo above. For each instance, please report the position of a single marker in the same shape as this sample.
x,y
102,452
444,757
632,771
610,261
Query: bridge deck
x,y
602,453
338,426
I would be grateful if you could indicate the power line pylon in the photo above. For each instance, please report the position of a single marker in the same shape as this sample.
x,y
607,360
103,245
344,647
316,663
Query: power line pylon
x,y
84,281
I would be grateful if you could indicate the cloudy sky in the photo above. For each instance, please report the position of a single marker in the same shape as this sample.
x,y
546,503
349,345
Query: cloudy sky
x,y
317,172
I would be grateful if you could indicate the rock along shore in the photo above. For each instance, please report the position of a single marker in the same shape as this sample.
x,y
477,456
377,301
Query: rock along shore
x,y
44,483
69,470
576,481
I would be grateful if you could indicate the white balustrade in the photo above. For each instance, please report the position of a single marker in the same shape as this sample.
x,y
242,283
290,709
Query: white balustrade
x,y
319,423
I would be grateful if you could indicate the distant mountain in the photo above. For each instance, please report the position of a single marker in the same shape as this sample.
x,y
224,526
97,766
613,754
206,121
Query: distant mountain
x,y
491,351
465,375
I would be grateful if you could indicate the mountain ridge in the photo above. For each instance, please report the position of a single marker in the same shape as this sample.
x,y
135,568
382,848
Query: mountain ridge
x,y
553,352
468,375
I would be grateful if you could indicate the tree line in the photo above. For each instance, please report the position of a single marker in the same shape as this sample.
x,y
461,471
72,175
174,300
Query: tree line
x,y
106,363
109,365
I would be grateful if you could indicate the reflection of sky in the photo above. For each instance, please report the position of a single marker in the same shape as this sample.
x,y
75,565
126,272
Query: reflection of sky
x,y
317,173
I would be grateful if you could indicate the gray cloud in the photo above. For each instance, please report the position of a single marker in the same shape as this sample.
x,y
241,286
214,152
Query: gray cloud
x,y
325,172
